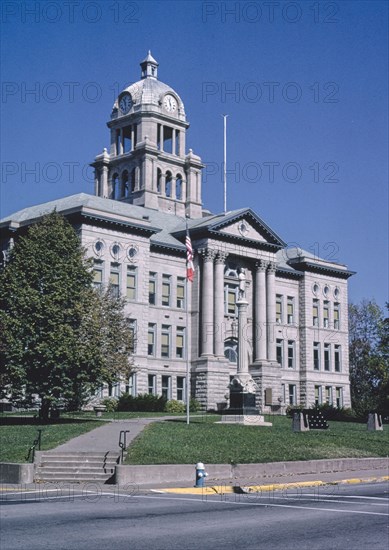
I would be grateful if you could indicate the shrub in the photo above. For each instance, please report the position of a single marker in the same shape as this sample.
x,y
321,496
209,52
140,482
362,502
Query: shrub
x,y
110,403
142,403
194,405
290,409
174,406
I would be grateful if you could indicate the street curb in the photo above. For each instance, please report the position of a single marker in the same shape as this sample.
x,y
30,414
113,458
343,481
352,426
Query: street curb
x,y
234,489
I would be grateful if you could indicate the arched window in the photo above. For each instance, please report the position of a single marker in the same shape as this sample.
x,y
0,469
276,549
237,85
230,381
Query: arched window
x,y
124,185
115,186
179,187
159,180
231,289
231,350
231,270
132,182
168,184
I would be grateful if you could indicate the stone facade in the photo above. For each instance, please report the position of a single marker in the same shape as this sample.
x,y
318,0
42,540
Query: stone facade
x,y
147,192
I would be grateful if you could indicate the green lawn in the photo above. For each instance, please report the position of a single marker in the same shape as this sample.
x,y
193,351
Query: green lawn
x,y
176,443
17,437
19,430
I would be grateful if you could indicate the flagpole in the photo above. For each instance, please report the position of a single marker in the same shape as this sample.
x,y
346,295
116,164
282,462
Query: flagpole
x,y
187,351
225,163
187,342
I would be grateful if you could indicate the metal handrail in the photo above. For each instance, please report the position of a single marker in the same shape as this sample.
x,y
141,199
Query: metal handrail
x,y
123,442
31,450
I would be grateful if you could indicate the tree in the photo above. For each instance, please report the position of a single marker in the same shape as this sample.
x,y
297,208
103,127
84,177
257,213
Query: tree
x,y
369,357
60,338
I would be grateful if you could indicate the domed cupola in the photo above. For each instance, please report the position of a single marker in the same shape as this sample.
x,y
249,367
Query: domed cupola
x,y
147,164
149,94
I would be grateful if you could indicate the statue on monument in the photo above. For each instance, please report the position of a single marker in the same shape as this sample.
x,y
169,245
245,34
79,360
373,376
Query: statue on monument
x,y
242,284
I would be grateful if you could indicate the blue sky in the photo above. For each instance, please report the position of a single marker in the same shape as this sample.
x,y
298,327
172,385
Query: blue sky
x,y
305,85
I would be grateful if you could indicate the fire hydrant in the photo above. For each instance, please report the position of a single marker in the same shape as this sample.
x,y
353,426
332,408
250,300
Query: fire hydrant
x,y
201,474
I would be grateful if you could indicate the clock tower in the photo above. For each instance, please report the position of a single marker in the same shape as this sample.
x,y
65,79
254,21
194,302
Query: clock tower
x,y
147,164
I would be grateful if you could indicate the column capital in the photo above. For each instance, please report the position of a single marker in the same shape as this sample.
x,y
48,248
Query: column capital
x,y
261,265
272,267
221,257
207,253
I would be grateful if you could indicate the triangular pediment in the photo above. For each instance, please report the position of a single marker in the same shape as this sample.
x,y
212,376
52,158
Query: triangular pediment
x,y
243,228
245,225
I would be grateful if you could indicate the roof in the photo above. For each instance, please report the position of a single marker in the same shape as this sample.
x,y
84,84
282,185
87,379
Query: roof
x,y
168,230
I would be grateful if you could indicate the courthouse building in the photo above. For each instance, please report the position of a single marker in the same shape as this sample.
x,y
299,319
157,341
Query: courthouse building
x,y
147,189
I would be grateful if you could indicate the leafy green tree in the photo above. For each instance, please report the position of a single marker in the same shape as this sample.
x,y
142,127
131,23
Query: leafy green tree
x,y
60,338
369,357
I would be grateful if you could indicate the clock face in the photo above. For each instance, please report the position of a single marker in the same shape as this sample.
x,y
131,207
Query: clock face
x,y
170,103
125,103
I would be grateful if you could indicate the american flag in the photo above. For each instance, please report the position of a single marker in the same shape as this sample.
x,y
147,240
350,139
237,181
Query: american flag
x,y
189,258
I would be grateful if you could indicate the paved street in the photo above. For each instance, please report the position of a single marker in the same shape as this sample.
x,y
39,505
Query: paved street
x,y
347,517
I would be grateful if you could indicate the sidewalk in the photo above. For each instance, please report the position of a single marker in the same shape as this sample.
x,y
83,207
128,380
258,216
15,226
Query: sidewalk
x,y
106,438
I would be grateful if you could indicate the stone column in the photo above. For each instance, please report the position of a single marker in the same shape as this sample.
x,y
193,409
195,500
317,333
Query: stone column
x,y
120,152
132,138
271,311
243,366
207,327
260,346
219,304
174,141
161,137
104,181
173,187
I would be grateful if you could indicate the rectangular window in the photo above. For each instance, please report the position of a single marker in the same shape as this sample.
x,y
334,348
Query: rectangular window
x,y
159,137
151,339
280,352
132,327
292,394
167,139
336,316
131,282
315,313
98,274
337,364
152,384
283,392
152,288
291,354
230,291
278,308
327,357
114,279
180,292
290,306
318,395
166,387
165,341
326,312
181,388
316,356
329,395
180,342
131,386
127,141
339,397
166,290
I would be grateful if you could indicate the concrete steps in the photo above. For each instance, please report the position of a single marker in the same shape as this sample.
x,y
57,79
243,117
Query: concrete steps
x,y
75,466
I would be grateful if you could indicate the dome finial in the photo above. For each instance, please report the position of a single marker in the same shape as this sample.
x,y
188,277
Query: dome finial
x,y
149,67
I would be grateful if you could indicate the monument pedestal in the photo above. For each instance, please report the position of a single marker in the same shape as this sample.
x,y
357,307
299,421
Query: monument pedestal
x,y
242,409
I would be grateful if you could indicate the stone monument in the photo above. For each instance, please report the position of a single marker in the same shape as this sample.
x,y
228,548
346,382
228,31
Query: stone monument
x,y
242,409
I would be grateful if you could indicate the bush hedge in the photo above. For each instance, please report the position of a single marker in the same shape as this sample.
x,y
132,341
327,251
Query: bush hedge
x,y
144,402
